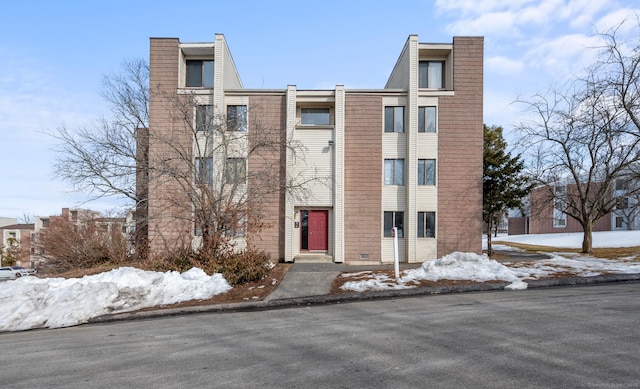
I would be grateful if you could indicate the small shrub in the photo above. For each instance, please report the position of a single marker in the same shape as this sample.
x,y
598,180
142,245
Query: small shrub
x,y
246,266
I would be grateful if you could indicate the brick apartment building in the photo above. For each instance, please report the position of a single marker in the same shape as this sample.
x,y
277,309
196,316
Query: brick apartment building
x,y
408,155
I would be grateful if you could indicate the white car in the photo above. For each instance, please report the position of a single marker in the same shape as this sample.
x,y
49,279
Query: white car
x,y
13,272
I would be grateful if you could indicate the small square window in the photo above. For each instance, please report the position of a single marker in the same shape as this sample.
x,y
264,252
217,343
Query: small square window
x,y
431,74
237,118
394,171
393,219
315,116
427,119
393,119
199,73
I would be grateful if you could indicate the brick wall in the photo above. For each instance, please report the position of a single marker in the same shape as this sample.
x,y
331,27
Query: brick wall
x,y
460,145
363,176
169,216
267,114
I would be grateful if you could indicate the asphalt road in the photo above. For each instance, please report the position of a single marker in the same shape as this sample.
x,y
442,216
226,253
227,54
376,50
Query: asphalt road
x,y
586,336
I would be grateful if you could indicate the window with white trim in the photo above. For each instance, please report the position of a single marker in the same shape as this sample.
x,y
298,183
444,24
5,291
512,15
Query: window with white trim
x,y
237,118
427,119
431,74
204,170
393,119
236,170
393,219
199,74
204,118
394,171
426,172
426,224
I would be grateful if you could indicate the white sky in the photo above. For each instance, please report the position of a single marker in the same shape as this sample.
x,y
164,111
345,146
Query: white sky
x,y
31,302
53,56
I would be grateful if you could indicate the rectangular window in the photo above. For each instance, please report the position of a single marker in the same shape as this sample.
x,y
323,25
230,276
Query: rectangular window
x,y
199,74
431,74
236,170
619,221
624,204
559,206
393,119
426,172
233,226
204,170
427,119
237,118
204,117
393,219
426,224
394,171
315,116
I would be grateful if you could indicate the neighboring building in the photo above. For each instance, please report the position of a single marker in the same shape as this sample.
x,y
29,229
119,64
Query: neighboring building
x,y
546,216
408,155
21,234
78,217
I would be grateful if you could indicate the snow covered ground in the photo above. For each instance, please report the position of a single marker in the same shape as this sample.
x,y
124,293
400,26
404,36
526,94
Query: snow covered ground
x,y
469,266
31,302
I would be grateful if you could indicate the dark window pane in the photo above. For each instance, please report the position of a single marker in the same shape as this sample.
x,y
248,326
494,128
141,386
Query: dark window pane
x,y
399,223
421,119
237,118
304,230
423,67
194,73
420,224
421,176
388,119
388,224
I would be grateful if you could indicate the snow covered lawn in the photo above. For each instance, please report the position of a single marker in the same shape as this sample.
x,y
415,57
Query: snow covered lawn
x,y
469,266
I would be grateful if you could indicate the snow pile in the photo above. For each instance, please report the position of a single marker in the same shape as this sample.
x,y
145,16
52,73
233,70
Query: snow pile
x,y
31,302
465,266
455,266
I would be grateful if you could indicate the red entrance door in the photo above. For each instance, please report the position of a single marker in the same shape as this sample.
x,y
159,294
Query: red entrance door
x,y
314,230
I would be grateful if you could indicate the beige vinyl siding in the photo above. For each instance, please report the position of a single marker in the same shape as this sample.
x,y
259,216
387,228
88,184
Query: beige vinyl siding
x,y
315,166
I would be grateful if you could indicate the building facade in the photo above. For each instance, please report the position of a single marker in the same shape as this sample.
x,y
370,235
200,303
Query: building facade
x,y
408,155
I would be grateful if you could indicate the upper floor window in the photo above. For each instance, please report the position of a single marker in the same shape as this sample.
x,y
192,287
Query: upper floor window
x,y
237,118
431,74
427,119
393,119
199,73
394,171
204,117
236,170
204,170
315,116
426,172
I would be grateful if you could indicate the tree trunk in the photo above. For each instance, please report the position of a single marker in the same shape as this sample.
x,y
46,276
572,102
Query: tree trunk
x,y
587,240
489,228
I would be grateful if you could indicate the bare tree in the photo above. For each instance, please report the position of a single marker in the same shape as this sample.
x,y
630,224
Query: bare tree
x,y
583,144
222,165
106,158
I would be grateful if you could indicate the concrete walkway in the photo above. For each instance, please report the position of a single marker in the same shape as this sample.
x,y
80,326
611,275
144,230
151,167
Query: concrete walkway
x,y
315,279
